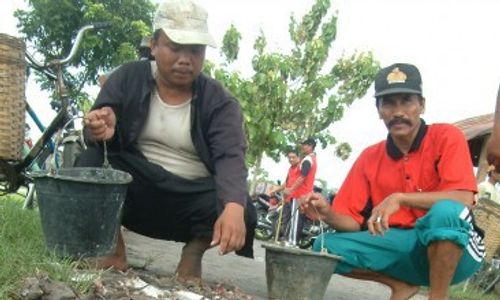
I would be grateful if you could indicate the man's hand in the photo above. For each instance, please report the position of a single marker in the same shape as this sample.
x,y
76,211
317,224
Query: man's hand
x,y
101,123
378,223
274,190
315,206
287,192
229,229
493,151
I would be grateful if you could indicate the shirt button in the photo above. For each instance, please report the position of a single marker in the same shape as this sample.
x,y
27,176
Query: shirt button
x,y
408,177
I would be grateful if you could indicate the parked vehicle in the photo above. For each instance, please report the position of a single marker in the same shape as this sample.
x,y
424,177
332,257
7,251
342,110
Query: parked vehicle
x,y
268,211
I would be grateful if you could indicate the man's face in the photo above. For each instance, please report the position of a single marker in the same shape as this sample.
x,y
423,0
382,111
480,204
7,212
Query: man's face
x,y
306,148
178,65
401,113
293,159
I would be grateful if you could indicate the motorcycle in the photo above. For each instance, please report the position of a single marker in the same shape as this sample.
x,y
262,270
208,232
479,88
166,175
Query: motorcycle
x,y
268,211
311,231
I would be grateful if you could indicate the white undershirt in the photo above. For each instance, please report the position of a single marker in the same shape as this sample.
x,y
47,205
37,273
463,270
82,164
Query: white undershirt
x,y
166,138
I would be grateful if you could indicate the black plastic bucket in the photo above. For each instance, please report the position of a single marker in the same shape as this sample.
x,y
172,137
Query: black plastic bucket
x,y
296,274
81,209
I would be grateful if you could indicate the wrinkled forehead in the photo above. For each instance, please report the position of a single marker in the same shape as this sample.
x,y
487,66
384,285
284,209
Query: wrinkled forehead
x,y
398,97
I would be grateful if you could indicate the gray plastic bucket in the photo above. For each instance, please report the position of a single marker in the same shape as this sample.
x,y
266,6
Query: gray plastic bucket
x,y
296,274
81,209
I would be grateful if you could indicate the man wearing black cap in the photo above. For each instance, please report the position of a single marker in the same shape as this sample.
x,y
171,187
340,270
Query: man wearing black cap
x,y
403,213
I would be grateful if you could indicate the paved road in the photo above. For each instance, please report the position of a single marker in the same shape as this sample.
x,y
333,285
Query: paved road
x,y
161,258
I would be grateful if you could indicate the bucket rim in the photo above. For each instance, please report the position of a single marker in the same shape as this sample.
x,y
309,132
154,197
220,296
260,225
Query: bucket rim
x,y
297,251
126,178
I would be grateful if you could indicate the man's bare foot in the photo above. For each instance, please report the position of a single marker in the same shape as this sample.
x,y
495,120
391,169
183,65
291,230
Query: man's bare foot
x,y
118,260
403,291
189,281
106,262
189,267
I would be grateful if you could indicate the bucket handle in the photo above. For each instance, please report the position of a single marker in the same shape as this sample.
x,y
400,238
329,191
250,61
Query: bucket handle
x,y
105,164
58,140
321,225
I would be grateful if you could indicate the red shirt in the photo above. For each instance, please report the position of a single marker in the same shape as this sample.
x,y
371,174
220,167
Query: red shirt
x,y
439,160
308,184
293,174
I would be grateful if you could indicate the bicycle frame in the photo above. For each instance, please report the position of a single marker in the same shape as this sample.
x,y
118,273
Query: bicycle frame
x,y
15,171
57,123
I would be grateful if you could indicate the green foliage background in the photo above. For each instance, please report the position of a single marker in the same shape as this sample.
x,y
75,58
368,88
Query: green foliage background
x,y
298,93
50,27
291,95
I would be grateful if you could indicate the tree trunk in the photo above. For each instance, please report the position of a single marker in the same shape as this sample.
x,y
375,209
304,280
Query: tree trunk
x,y
256,173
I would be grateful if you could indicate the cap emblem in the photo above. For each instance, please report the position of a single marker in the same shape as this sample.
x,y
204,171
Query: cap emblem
x,y
396,76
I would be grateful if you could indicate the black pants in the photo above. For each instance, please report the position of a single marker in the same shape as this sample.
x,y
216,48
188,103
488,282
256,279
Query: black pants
x,y
287,224
161,205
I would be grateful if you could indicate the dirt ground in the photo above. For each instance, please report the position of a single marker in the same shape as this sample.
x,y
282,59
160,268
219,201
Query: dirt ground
x,y
248,275
151,277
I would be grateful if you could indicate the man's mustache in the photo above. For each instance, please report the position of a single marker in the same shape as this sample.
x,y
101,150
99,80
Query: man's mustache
x,y
397,121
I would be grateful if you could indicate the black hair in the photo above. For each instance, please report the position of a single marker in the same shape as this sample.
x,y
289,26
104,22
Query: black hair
x,y
145,53
294,151
156,34
310,141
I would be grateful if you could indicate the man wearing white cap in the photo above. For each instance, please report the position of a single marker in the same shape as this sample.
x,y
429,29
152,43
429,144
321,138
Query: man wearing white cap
x,y
179,133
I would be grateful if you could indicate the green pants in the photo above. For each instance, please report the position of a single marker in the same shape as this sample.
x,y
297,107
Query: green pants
x,y
402,253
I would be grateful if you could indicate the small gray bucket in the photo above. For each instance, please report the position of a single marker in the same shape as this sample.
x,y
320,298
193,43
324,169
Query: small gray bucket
x,y
296,274
81,209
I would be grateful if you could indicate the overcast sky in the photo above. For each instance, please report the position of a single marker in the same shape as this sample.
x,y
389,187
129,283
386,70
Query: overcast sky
x,y
454,43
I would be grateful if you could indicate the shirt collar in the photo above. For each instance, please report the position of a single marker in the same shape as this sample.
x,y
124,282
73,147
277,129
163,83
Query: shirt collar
x,y
394,151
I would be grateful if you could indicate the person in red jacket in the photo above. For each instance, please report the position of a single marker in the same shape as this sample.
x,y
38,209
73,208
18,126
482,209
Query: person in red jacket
x,y
299,185
403,214
292,175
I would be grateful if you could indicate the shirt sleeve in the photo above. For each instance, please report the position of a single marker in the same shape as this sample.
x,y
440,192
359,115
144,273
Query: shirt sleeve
x,y
110,95
455,167
354,194
305,167
227,145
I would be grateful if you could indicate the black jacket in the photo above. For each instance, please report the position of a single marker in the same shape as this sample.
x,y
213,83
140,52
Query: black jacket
x,y
216,124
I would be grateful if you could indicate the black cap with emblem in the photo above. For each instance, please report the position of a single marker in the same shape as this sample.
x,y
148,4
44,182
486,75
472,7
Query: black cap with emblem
x,y
398,78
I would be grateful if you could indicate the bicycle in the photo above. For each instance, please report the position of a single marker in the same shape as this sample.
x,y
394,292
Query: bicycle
x,y
486,278
14,174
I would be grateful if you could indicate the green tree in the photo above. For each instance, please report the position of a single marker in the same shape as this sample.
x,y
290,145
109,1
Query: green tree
x,y
298,94
50,26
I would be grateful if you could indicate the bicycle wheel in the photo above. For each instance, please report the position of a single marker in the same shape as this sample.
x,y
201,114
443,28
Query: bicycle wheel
x,y
9,179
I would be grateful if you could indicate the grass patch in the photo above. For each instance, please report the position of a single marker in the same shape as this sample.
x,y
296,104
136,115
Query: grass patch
x,y
23,254
22,250
471,293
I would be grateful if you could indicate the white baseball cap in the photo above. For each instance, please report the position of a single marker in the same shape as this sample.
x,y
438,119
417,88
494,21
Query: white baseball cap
x,y
184,22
